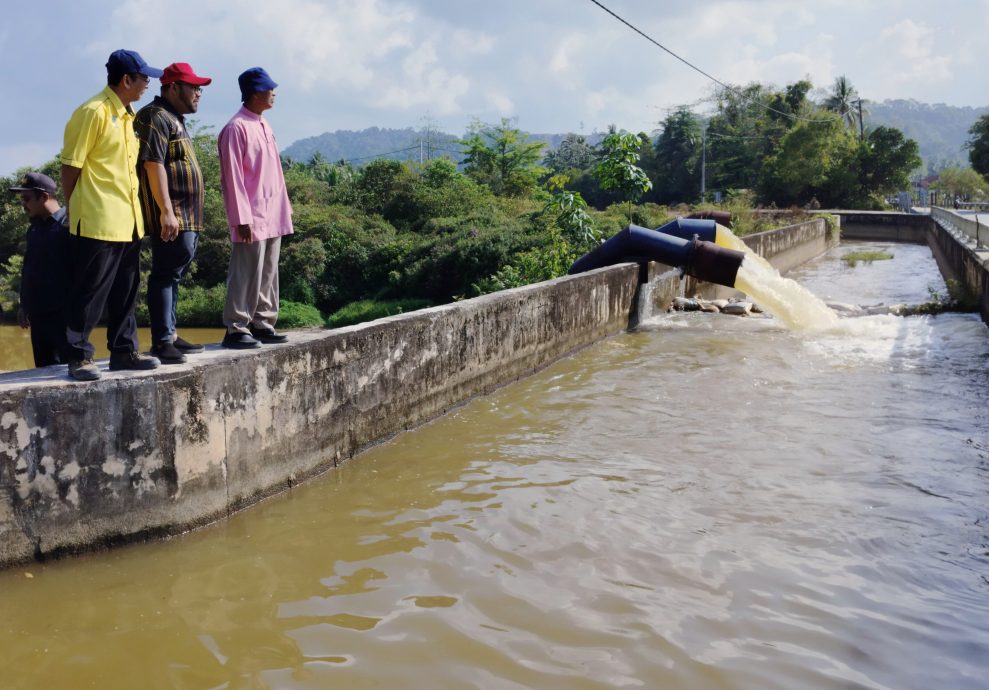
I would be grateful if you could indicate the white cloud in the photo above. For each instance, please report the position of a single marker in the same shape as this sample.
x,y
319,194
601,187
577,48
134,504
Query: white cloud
x,y
911,45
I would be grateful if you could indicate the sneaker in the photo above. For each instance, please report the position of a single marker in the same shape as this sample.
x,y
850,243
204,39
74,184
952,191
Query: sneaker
x,y
268,336
84,370
168,353
240,341
132,361
185,347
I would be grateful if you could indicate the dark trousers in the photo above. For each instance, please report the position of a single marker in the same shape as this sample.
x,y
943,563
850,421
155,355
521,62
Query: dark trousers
x,y
48,338
169,262
104,275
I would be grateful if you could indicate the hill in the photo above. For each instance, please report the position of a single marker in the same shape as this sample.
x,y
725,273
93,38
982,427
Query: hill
x,y
940,130
395,144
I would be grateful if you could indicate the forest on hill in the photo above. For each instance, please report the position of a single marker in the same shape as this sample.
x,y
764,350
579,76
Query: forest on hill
x,y
940,132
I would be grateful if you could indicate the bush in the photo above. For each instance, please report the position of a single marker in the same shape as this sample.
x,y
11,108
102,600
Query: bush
x,y
369,309
296,315
200,306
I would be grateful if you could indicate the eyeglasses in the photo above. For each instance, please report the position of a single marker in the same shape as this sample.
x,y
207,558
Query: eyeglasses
x,y
195,89
137,76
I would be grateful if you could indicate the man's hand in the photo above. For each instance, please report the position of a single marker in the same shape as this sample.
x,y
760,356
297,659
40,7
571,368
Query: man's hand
x,y
244,233
22,320
169,225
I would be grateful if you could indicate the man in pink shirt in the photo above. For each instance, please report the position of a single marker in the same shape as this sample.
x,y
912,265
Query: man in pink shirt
x,y
258,212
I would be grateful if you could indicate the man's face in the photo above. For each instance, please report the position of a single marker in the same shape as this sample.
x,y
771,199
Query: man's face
x,y
134,86
33,204
265,99
186,97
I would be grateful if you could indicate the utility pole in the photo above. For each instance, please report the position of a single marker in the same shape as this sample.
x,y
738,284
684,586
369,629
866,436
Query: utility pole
x,y
703,163
861,122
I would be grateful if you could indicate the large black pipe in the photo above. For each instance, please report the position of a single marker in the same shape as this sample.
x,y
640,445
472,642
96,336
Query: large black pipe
x,y
689,228
702,259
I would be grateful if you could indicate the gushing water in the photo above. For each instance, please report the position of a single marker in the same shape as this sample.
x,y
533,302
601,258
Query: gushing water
x,y
786,299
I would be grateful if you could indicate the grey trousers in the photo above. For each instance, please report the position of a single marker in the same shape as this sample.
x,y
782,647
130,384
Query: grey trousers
x,y
252,286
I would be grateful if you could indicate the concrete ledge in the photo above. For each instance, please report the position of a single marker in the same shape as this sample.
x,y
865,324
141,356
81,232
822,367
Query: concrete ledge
x,y
148,454
960,260
884,226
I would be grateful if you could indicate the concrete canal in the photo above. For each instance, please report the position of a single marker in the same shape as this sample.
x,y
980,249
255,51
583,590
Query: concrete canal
x,y
707,502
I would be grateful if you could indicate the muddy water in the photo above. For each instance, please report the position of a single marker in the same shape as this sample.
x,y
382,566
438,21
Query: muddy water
x,y
15,343
711,502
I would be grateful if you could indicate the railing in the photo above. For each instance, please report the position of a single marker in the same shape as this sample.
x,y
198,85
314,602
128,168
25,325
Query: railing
x,y
959,223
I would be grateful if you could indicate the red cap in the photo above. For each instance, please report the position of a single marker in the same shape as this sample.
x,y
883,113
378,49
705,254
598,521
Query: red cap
x,y
181,71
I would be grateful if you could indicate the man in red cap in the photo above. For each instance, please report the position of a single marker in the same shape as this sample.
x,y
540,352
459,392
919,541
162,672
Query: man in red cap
x,y
171,201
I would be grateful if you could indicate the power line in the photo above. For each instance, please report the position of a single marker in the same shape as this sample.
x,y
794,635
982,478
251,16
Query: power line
x,y
698,69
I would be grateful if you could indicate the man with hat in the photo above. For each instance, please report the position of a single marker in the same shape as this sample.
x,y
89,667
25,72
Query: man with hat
x,y
171,200
258,212
44,275
99,178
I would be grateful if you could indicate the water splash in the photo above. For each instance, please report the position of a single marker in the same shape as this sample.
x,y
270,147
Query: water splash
x,y
787,300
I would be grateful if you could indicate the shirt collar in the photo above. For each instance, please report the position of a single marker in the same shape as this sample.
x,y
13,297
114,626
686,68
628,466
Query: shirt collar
x,y
115,102
163,103
249,114
56,218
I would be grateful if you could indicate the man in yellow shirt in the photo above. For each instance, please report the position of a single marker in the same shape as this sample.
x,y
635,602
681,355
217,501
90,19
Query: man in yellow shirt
x,y
99,178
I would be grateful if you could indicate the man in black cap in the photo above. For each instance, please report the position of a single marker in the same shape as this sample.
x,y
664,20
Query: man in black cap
x,y
44,275
99,178
259,214
172,201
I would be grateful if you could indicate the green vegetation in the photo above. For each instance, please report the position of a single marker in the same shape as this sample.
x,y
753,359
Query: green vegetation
x,y
853,258
369,309
392,236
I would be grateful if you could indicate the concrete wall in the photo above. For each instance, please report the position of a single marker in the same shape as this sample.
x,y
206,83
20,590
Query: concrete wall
x,y
884,226
958,259
144,454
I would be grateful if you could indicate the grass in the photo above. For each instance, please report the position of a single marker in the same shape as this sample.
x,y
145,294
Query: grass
x,y
852,258
369,309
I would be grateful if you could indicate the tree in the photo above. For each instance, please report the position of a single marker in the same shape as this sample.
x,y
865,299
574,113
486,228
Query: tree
x,y
618,169
886,159
963,183
844,100
978,146
814,160
678,155
573,153
500,157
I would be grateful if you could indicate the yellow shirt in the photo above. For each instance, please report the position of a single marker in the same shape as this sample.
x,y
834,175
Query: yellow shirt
x,y
100,139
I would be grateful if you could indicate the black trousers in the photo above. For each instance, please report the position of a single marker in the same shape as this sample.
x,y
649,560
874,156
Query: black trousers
x,y
48,338
104,275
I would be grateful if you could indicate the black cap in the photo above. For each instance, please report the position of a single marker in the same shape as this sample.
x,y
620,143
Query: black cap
x,y
35,182
130,62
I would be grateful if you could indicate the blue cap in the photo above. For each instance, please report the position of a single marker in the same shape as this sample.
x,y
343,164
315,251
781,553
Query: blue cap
x,y
130,62
253,80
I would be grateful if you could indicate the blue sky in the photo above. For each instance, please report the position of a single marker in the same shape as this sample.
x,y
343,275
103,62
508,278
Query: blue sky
x,y
555,65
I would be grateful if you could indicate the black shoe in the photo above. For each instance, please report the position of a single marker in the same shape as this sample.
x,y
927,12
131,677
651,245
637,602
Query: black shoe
x,y
132,360
268,336
240,341
168,353
84,370
185,347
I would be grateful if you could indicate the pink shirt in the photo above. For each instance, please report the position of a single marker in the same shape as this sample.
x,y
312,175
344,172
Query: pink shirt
x,y
251,178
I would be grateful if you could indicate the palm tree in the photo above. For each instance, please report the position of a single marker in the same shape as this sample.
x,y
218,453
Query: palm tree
x,y
845,101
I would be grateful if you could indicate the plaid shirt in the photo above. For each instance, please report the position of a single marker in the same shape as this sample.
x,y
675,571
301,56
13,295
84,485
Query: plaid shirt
x,y
164,139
